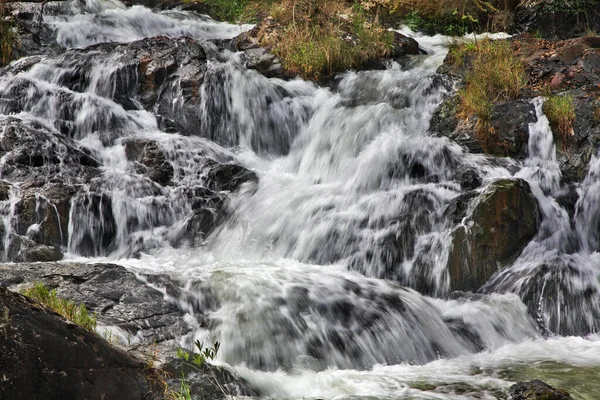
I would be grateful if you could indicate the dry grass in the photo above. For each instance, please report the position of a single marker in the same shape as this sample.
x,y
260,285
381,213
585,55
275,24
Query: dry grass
x,y
496,74
319,38
560,111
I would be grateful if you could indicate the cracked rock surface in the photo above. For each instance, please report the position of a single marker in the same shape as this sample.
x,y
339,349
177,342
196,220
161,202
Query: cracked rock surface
x,y
117,296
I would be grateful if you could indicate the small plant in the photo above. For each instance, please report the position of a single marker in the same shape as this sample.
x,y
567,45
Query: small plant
x,y
560,111
68,309
184,390
196,360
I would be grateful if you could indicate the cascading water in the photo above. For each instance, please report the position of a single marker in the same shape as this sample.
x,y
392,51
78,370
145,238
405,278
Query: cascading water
x,y
309,280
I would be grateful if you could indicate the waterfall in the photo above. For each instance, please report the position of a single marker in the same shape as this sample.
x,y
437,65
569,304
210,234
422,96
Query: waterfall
x,y
310,223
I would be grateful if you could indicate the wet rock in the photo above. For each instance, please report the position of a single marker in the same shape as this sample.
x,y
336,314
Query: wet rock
x,y
31,149
539,285
537,390
229,176
92,213
149,160
445,118
264,62
43,170
43,213
34,39
555,20
394,242
508,134
404,45
502,220
116,295
45,356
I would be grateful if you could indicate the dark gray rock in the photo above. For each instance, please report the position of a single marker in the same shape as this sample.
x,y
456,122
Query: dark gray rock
x,y
555,19
539,285
207,382
116,295
501,221
508,136
404,45
44,356
575,153
150,160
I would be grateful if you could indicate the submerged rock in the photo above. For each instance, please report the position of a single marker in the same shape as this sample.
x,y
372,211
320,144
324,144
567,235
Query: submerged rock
x,y
500,223
43,356
537,390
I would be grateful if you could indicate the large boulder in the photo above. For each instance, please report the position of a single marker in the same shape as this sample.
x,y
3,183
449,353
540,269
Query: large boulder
x,y
43,356
557,19
501,221
508,136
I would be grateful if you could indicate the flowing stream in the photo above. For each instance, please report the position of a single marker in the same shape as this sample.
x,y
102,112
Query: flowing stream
x,y
301,285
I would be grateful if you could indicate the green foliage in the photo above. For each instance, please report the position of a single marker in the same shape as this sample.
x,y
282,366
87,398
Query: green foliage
x,y
560,111
196,360
184,390
68,309
453,24
456,18
226,10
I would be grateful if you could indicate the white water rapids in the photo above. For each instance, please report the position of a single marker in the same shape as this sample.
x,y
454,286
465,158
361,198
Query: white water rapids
x,y
300,285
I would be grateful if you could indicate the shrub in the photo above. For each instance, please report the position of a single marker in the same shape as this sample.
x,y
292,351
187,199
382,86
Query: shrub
x,y
560,111
496,74
68,309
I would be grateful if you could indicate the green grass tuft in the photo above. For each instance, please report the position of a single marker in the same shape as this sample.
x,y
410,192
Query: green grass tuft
x,y
560,111
68,309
